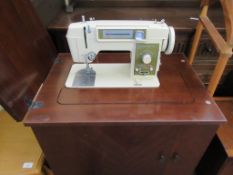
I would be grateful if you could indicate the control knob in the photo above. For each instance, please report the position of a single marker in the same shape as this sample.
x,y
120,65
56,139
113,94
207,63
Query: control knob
x,y
146,58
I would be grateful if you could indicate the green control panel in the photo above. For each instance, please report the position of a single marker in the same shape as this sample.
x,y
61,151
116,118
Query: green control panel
x,y
146,59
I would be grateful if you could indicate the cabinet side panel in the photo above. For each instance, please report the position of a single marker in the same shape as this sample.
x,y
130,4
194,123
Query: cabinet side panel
x,y
227,168
213,158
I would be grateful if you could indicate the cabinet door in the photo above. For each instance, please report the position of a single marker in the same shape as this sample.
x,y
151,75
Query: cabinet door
x,y
189,146
26,55
125,150
104,150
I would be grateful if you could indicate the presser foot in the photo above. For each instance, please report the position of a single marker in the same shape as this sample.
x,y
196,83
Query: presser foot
x,y
85,77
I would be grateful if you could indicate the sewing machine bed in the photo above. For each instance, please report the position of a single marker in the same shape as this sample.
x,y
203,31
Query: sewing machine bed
x,y
167,93
180,91
107,75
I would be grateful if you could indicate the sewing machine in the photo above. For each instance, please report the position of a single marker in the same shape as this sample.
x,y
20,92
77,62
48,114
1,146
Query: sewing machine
x,y
144,39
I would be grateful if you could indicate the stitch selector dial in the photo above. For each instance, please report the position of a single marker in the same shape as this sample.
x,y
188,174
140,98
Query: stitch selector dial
x,y
146,58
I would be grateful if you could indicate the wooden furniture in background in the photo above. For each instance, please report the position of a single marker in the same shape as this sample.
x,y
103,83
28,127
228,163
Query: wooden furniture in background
x,y
132,3
125,131
223,47
218,159
26,55
18,146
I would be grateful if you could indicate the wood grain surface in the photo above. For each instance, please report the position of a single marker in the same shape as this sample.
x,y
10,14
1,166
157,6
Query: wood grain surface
x,y
139,3
128,138
26,55
128,149
201,109
174,17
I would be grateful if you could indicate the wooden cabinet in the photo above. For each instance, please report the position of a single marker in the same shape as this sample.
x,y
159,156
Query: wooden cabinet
x,y
125,131
137,131
127,150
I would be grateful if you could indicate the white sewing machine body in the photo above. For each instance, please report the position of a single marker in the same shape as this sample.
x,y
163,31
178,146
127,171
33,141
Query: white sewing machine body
x,y
144,39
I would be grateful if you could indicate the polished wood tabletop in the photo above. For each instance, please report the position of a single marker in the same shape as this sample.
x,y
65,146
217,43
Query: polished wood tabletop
x,y
180,98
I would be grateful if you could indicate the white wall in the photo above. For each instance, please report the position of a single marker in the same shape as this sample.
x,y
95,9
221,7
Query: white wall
x,y
1,108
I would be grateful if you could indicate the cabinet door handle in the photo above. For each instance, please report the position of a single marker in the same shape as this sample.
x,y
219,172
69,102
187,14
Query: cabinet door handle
x,y
176,157
162,158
